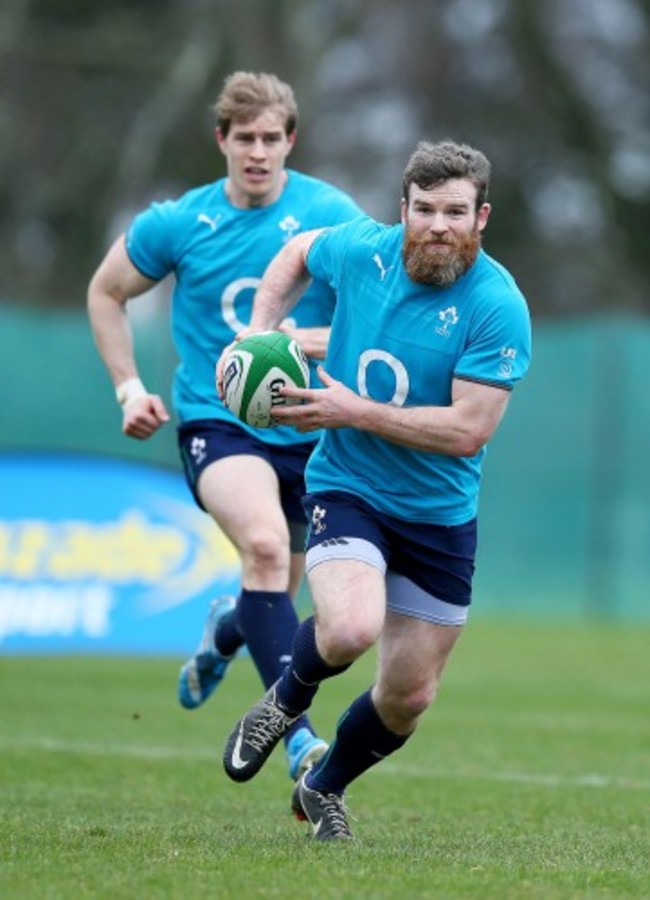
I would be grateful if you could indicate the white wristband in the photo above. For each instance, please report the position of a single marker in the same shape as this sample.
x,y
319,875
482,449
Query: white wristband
x,y
129,390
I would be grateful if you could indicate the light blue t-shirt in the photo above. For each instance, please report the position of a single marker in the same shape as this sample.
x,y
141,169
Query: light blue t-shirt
x,y
399,342
218,254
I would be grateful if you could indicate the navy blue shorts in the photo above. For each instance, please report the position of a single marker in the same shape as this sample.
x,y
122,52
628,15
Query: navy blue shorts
x,y
438,560
205,441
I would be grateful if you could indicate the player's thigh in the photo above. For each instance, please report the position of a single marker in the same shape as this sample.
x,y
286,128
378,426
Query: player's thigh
x,y
242,494
350,601
412,655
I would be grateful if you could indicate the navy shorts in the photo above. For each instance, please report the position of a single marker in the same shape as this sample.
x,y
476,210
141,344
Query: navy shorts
x,y
422,562
205,441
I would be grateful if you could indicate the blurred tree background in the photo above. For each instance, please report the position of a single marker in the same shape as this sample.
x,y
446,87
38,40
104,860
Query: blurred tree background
x,y
106,106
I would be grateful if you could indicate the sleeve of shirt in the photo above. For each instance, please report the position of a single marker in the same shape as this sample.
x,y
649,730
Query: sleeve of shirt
x,y
327,254
499,347
149,241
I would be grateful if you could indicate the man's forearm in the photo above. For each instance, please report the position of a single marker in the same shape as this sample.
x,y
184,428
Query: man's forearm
x,y
284,282
113,337
313,341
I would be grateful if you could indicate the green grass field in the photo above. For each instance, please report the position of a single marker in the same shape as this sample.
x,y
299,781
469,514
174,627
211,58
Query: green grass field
x,y
529,778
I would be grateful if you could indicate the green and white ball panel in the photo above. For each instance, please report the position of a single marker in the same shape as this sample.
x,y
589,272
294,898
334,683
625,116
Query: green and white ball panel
x,y
255,371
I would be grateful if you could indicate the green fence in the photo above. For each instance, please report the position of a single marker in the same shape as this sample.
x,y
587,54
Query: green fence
x,y
565,510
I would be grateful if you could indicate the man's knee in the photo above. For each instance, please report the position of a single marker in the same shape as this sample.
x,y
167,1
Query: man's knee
x,y
268,544
340,642
265,558
400,706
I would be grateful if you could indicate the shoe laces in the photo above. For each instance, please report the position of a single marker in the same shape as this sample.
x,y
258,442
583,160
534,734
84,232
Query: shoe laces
x,y
271,725
335,814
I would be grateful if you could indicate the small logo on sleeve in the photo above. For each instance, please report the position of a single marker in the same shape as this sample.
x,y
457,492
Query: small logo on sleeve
x,y
508,355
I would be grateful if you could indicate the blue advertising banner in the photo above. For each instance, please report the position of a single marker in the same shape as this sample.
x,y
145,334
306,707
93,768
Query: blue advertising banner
x,y
104,555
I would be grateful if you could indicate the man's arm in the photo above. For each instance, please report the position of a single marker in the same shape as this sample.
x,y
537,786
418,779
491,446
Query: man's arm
x,y
460,429
114,283
313,341
284,282
288,274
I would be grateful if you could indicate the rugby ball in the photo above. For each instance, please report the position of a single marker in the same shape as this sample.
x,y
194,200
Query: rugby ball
x,y
254,372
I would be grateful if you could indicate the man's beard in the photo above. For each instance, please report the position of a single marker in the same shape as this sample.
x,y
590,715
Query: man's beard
x,y
428,264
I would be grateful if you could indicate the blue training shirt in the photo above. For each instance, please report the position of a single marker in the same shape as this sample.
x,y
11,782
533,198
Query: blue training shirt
x,y
399,342
218,254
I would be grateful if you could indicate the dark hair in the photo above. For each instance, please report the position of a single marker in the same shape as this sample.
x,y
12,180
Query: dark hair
x,y
433,164
246,95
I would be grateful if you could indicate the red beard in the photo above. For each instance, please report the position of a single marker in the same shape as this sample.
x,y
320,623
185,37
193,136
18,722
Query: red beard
x,y
427,263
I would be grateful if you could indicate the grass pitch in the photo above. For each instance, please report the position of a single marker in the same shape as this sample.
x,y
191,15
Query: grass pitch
x,y
529,778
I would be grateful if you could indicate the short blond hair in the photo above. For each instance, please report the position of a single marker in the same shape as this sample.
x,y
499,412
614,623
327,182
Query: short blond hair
x,y
246,95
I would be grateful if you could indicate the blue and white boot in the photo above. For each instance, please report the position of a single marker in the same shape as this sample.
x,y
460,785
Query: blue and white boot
x,y
203,672
304,750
